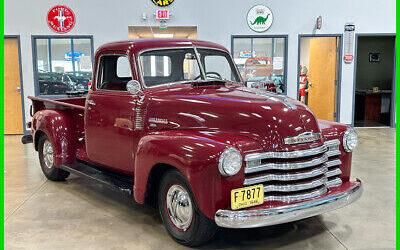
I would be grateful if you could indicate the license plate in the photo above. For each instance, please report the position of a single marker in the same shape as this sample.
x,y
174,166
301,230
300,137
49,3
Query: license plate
x,y
247,197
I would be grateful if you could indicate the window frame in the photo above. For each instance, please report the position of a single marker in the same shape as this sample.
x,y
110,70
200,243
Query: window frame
x,y
34,58
140,67
98,72
286,39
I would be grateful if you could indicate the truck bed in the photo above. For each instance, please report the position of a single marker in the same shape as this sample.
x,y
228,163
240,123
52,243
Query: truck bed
x,y
66,103
70,107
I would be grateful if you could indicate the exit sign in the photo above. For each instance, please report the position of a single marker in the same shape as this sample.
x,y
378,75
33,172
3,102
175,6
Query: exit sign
x,y
162,14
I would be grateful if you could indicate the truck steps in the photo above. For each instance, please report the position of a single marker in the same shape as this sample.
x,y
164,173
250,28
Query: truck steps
x,y
110,179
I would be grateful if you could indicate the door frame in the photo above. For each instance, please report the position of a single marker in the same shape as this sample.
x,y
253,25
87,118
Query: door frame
x,y
393,95
18,37
339,67
285,36
34,58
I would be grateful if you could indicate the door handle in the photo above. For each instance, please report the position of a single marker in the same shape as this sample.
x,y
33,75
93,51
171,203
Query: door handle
x,y
18,89
90,102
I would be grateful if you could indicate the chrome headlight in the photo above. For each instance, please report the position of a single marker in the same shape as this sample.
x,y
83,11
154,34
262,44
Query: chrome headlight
x,y
230,162
350,140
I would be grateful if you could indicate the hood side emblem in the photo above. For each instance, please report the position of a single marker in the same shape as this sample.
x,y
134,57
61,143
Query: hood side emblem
x,y
303,138
158,120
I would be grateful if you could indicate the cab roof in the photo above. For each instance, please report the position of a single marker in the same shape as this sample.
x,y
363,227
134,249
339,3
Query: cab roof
x,y
134,46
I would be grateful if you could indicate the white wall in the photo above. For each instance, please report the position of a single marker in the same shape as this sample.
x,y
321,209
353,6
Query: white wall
x,y
305,52
216,21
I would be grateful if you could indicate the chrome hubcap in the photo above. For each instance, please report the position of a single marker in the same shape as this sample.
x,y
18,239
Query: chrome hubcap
x,y
179,207
48,154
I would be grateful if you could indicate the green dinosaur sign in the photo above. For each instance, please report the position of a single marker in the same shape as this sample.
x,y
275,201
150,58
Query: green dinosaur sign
x,y
259,18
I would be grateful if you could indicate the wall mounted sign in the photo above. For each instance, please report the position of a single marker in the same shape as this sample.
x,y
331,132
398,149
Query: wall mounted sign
x,y
319,22
77,56
245,54
348,42
260,18
162,14
61,19
162,3
374,57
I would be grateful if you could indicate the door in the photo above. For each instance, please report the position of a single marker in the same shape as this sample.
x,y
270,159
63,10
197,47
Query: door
x,y
13,123
322,77
109,127
109,116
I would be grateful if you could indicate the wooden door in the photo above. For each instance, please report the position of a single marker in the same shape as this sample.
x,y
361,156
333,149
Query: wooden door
x,y
12,88
322,76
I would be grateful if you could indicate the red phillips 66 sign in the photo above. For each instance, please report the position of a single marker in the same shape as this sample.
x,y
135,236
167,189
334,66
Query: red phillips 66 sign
x,y
61,19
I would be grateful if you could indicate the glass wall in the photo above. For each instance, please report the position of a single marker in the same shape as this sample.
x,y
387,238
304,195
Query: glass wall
x,y
261,61
62,65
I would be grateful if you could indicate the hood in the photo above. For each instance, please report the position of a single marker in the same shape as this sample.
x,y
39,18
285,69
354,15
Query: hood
x,y
263,116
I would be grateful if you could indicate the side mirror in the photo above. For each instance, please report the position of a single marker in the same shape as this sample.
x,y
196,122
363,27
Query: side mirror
x,y
133,87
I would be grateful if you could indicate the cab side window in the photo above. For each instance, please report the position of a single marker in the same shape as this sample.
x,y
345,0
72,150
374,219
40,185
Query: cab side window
x,y
114,73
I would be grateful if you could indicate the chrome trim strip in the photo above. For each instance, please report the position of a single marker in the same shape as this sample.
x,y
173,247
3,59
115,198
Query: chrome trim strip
x,y
296,187
287,154
333,153
332,143
335,182
278,215
334,172
306,137
297,197
287,166
286,177
333,163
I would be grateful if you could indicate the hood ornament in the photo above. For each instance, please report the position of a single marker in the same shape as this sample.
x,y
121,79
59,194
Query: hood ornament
x,y
303,138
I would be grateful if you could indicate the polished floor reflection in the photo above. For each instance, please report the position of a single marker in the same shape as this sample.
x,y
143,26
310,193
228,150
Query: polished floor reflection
x,y
80,214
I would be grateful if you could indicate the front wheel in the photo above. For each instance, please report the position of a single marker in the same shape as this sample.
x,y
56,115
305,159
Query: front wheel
x,y
46,156
182,218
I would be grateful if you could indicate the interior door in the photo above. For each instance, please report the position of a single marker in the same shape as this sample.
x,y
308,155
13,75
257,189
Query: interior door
x,y
322,76
13,123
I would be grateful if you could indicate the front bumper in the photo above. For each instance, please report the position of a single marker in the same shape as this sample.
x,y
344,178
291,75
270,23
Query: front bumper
x,y
279,215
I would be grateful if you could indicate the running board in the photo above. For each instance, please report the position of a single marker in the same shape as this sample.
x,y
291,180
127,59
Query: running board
x,y
112,180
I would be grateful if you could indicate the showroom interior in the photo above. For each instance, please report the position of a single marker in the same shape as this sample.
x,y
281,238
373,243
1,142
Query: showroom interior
x,y
337,58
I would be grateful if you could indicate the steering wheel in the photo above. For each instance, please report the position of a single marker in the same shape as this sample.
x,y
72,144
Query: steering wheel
x,y
218,76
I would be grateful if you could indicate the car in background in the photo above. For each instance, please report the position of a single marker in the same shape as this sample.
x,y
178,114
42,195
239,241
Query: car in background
x,y
52,83
82,78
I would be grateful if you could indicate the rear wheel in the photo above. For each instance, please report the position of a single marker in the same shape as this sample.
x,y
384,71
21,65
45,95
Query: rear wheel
x,y
46,158
180,214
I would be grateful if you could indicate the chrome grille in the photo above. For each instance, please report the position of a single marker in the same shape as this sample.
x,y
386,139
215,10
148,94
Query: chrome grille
x,y
333,163
295,175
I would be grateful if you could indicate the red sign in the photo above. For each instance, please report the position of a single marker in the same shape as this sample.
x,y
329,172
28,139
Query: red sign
x,y
162,14
348,58
61,19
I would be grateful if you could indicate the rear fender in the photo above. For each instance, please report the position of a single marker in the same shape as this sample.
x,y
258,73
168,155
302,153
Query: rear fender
x,y
57,126
195,155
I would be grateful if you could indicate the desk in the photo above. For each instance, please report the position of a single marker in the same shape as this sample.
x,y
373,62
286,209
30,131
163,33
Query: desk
x,y
369,104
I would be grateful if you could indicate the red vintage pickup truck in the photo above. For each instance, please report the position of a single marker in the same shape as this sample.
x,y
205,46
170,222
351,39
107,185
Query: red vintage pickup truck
x,y
172,123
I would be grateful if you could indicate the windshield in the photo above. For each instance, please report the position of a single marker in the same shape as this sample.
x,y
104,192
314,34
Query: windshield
x,y
174,65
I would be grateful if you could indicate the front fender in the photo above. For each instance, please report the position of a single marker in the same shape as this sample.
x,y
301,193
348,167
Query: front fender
x,y
333,130
56,125
195,155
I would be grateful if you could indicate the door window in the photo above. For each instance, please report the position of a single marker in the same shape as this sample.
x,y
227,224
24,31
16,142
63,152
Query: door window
x,y
114,73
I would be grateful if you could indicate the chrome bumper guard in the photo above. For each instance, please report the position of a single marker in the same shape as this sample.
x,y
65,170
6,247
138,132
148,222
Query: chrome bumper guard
x,y
284,214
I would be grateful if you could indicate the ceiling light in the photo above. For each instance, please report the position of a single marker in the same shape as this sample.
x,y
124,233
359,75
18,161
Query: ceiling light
x,y
163,35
